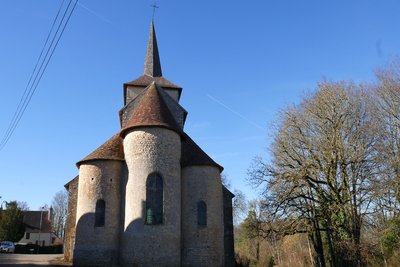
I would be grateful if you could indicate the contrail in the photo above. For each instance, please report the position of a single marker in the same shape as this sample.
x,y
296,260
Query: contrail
x,y
95,13
235,112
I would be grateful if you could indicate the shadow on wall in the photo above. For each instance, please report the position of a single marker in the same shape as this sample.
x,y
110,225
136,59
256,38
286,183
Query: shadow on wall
x,y
150,245
84,228
135,227
124,181
91,246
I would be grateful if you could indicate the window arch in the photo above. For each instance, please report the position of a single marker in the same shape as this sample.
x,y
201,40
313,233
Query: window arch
x,y
154,199
100,214
201,213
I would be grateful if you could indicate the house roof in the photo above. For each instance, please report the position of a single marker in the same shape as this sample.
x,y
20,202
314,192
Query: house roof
x,y
33,223
152,112
112,149
193,155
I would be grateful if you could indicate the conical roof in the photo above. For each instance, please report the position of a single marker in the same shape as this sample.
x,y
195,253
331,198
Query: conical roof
x,y
152,65
193,155
152,112
112,149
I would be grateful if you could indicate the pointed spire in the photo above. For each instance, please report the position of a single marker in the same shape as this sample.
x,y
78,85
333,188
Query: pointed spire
x,y
152,65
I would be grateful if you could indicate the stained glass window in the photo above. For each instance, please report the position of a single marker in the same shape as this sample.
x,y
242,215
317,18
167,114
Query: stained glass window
x,y
154,199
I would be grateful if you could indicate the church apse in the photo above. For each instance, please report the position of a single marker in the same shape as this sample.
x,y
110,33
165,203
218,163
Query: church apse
x,y
152,150
149,196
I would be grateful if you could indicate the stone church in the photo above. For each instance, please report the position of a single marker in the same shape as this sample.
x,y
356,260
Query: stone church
x,y
149,196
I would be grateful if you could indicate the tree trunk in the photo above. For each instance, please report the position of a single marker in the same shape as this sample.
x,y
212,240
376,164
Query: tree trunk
x,y
257,250
318,246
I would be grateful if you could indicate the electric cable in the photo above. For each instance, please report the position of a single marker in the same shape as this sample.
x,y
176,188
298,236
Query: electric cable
x,y
28,93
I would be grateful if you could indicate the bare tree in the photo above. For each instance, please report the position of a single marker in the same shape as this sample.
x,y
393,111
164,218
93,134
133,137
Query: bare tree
x,y
23,205
253,224
388,110
225,180
59,206
323,168
239,206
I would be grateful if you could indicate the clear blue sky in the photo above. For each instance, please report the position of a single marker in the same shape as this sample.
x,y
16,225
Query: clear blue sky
x,y
239,63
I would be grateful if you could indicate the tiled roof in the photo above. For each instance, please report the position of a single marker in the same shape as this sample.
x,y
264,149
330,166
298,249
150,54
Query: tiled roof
x,y
152,111
193,155
110,150
126,112
32,221
146,80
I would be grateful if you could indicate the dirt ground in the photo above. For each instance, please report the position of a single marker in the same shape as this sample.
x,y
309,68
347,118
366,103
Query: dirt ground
x,y
25,260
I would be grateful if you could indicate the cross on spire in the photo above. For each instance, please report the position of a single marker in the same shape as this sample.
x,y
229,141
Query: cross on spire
x,y
154,6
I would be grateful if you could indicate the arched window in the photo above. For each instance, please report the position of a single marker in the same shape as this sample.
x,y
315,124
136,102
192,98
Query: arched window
x,y
100,214
201,213
154,199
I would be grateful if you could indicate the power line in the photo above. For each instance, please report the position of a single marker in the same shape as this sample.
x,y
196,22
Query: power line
x,y
23,99
28,93
42,69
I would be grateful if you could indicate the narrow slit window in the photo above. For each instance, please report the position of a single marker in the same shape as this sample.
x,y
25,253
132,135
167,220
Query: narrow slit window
x,y
154,199
100,213
201,213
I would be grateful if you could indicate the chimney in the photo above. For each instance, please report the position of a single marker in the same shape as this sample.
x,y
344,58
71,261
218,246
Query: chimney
x,y
50,214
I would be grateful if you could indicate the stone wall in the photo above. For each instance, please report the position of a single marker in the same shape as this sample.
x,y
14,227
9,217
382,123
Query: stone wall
x,y
131,106
149,150
202,245
134,91
229,249
72,188
98,246
177,110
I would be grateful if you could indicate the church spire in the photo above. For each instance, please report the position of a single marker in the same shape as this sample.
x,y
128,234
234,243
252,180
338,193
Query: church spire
x,y
152,65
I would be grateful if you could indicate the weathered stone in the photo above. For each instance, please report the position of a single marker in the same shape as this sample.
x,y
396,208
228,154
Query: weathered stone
x,y
229,249
202,245
98,180
72,188
152,150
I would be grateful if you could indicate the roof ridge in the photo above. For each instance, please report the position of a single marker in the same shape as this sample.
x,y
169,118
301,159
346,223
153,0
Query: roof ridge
x,y
193,155
146,80
152,111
